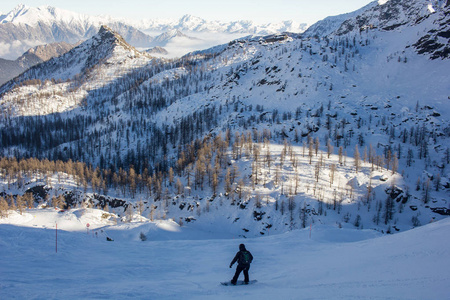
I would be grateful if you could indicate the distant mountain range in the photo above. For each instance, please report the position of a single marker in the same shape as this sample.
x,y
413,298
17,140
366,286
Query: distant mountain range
x,y
189,23
25,27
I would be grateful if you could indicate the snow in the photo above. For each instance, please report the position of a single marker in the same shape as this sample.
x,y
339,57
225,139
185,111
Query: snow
x,y
175,262
430,8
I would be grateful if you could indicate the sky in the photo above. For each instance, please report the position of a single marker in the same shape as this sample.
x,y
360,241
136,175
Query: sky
x,y
259,11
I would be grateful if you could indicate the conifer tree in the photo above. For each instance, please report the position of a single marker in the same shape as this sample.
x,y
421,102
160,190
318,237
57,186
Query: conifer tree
x,y
179,187
329,148
357,159
332,173
303,216
4,206
310,148
129,212
341,155
29,200
20,203
389,209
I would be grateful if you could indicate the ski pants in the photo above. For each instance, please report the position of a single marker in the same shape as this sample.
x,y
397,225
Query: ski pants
x,y
239,269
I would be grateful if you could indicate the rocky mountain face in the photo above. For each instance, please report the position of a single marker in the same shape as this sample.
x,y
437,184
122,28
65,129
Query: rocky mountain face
x,y
42,53
332,23
10,69
389,16
157,51
436,42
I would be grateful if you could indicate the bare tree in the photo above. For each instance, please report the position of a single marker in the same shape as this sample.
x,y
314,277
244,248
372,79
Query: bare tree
x,y
332,173
310,148
341,155
357,159
29,200
4,206
316,145
426,192
329,148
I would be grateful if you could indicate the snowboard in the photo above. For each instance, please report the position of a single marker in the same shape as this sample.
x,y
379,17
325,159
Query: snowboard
x,y
239,282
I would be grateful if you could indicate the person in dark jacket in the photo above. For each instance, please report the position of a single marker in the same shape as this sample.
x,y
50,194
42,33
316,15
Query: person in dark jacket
x,y
244,259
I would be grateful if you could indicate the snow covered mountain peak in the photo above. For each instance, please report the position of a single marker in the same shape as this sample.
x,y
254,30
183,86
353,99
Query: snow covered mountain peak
x,y
101,59
164,38
107,38
106,33
190,19
23,14
388,15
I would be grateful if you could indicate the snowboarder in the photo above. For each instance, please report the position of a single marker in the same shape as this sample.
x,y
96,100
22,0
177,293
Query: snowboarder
x,y
244,259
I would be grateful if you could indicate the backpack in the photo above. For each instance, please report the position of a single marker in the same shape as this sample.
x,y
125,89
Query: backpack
x,y
245,258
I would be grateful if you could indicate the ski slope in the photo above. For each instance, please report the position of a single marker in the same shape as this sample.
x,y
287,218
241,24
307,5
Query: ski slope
x,y
189,263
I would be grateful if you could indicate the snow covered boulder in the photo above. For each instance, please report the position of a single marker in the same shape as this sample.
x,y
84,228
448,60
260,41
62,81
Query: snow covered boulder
x,y
397,194
354,182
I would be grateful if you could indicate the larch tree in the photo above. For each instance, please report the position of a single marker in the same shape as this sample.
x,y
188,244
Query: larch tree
x,y
29,199
329,148
357,159
341,155
4,206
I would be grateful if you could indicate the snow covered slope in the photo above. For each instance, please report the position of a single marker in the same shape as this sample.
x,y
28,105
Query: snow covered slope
x,y
326,263
330,24
393,14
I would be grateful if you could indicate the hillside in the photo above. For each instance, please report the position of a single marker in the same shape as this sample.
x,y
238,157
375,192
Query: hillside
x,y
10,69
269,133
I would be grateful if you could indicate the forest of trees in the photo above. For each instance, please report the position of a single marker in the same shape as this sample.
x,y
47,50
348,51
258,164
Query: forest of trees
x,y
207,165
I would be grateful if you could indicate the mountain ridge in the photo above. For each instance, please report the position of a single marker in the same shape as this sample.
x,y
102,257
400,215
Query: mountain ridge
x,y
10,69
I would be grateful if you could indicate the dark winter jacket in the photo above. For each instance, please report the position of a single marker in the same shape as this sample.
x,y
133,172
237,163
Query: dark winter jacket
x,y
240,256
